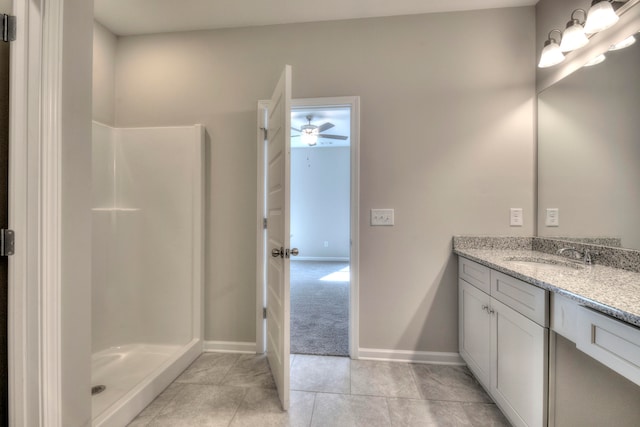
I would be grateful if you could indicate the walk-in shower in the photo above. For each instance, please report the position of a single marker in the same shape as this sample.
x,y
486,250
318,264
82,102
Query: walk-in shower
x,y
147,264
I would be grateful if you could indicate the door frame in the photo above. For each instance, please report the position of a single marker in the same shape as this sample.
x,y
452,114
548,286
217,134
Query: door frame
x,y
261,256
35,196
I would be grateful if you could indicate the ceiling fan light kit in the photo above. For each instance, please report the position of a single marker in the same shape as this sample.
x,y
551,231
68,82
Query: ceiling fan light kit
x,y
310,133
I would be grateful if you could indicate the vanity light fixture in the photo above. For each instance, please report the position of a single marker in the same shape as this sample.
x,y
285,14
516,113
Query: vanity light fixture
x,y
595,61
551,53
624,43
600,17
573,36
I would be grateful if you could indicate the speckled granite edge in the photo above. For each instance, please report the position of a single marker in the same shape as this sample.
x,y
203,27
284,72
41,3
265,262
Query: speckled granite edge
x,y
615,242
492,242
490,258
626,259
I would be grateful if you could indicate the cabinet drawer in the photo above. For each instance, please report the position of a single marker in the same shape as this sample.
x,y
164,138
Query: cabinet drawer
x,y
476,274
613,343
564,317
522,297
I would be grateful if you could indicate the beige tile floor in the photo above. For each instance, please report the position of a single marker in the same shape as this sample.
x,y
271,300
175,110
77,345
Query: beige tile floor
x,y
238,390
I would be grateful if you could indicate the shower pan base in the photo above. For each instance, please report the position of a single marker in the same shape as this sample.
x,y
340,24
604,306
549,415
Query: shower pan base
x,y
134,375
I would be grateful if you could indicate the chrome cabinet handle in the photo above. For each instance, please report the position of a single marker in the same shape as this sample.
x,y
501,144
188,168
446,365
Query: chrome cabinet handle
x,y
488,310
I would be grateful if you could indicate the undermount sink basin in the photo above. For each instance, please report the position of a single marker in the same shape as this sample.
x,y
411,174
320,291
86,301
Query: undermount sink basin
x,y
545,263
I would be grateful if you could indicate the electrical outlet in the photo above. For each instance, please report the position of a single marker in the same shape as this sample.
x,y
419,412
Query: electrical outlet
x,y
516,217
326,243
552,218
381,216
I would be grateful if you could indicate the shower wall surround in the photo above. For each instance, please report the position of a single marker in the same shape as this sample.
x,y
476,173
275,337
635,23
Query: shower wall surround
x,y
148,188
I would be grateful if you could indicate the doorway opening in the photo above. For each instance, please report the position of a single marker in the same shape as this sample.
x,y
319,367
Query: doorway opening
x,y
320,201
343,268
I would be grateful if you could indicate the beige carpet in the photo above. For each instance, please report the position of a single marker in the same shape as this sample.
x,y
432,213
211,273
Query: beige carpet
x,y
320,308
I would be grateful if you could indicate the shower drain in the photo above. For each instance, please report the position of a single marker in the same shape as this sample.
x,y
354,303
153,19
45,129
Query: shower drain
x,y
97,389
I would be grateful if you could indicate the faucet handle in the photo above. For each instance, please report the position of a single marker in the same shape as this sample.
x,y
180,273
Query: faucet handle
x,y
588,254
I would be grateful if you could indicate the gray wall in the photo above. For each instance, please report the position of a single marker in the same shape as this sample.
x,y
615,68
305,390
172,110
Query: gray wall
x,y
588,393
320,203
447,140
75,109
104,74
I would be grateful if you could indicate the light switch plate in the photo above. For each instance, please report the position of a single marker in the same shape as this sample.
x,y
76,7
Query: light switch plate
x,y
552,219
516,217
381,216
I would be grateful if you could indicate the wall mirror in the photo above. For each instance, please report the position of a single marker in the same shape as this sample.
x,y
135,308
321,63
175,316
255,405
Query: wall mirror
x,y
589,153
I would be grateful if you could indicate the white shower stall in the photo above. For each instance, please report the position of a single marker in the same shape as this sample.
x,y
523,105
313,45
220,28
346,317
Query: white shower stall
x,y
147,263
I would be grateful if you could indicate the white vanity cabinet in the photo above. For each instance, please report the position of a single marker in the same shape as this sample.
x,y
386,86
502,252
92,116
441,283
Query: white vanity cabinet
x,y
611,342
503,334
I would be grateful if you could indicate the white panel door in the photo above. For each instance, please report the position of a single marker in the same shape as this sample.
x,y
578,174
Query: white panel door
x,y
278,150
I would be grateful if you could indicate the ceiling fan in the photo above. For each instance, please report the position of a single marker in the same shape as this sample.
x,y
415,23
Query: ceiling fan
x,y
310,133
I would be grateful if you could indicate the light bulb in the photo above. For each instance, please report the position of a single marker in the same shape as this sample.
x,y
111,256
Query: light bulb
x,y
309,137
551,54
600,17
595,61
624,43
573,37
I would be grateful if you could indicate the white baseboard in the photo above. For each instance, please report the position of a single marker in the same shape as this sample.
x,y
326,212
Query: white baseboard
x,y
321,258
433,357
230,347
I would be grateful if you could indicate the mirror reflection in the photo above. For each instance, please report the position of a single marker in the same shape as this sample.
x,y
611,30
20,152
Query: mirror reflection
x,y
589,153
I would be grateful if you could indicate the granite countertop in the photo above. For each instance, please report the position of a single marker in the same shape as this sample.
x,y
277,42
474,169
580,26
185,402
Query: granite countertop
x,y
613,291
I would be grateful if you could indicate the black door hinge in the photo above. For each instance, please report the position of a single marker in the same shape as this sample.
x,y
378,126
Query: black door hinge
x,y
7,242
8,28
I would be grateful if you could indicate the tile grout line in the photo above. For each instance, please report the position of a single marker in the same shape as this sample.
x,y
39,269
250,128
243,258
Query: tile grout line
x,y
246,392
163,406
415,381
313,408
386,399
231,366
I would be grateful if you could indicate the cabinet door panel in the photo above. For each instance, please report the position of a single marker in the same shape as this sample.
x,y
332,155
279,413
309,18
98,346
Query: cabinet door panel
x,y
475,330
519,377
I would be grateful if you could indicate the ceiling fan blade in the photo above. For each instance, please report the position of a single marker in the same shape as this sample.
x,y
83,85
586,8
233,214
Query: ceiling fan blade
x,y
324,135
297,130
325,126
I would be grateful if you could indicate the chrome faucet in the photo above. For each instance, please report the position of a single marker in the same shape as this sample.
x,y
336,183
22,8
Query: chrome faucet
x,y
586,256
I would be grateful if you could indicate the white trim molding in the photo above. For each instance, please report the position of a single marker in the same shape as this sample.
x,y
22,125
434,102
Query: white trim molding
x,y
229,347
25,400
50,220
432,357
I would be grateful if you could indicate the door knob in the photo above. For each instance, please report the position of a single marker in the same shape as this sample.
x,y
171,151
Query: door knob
x,y
275,252
294,252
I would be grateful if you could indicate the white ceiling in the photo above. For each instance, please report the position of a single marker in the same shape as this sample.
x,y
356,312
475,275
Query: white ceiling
x,y
128,17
